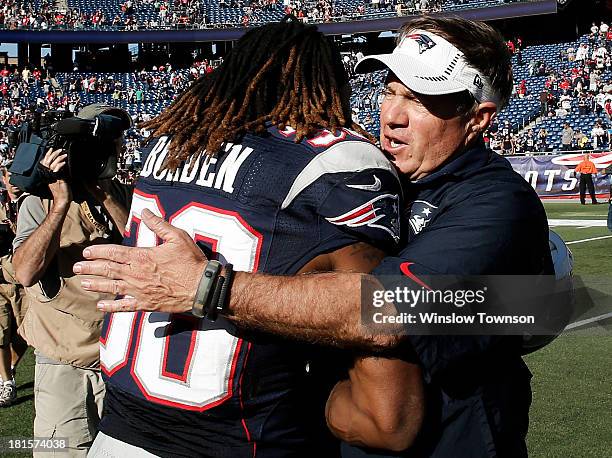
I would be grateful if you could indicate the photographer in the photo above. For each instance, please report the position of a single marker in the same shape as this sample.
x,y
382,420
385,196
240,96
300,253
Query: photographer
x,y
12,346
62,323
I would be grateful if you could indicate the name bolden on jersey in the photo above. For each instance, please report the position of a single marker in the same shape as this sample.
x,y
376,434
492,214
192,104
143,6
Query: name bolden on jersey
x,y
203,172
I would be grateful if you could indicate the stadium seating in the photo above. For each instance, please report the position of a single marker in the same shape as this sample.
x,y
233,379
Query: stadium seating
x,y
217,13
464,5
551,55
521,112
111,8
154,100
366,93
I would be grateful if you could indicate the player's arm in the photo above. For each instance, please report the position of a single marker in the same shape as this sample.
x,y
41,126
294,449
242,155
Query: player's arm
x,y
381,405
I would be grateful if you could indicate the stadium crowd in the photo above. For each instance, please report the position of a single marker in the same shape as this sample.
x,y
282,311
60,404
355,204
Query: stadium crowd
x,y
580,87
29,93
502,140
165,14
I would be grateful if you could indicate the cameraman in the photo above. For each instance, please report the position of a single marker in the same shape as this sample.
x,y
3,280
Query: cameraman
x,y
62,323
12,345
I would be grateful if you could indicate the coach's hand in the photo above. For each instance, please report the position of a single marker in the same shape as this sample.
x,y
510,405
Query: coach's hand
x,y
164,278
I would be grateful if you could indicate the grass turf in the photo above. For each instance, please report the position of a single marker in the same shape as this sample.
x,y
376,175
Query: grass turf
x,y
572,399
17,420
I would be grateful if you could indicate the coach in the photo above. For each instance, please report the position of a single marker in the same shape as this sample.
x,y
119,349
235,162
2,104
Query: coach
x,y
468,214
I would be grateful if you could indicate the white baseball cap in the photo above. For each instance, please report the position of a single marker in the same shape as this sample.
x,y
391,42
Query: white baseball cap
x,y
428,64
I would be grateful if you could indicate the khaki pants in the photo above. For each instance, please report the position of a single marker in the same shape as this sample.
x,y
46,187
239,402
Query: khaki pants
x,y
7,326
68,402
12,308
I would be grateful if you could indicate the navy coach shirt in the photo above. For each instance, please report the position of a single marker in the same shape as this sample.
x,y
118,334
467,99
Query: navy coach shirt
x,y
473,216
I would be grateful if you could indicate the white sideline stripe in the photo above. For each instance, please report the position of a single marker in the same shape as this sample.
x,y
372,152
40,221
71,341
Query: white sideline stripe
x,y
570,214
577,324
589,240
578,222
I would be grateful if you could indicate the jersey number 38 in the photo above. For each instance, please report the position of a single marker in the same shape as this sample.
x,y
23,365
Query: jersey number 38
x,y
210,358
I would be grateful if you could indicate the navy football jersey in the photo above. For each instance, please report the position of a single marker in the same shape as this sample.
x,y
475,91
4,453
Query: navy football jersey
x,y
182,386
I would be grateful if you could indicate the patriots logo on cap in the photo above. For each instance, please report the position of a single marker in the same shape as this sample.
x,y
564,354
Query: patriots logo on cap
x,y
478,82
424,41
380,213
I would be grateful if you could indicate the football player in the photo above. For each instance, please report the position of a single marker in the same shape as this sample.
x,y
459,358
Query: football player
x,y
261,165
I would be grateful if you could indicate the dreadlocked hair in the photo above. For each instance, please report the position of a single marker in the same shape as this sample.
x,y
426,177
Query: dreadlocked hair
x,y
284,74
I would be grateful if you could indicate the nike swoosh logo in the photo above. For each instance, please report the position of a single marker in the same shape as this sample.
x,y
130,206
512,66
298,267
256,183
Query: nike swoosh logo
x,y
405,268
367,187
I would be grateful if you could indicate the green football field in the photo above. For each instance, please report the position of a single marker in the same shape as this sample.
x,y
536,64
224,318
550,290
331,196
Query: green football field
x,y
571,415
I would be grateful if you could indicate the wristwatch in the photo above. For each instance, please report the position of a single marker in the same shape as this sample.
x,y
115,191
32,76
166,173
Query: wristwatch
x,y
207,285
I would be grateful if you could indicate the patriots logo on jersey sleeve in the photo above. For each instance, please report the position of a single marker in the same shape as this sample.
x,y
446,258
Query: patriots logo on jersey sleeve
x,y
380,212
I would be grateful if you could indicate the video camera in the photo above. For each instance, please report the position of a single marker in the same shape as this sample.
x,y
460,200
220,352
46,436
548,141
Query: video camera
x,y
89,144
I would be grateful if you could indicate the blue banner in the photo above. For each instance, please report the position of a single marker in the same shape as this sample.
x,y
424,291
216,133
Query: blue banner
x,y
554,176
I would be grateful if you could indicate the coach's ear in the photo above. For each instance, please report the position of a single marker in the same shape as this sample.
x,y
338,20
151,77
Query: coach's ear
x,y
480,120
485,112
